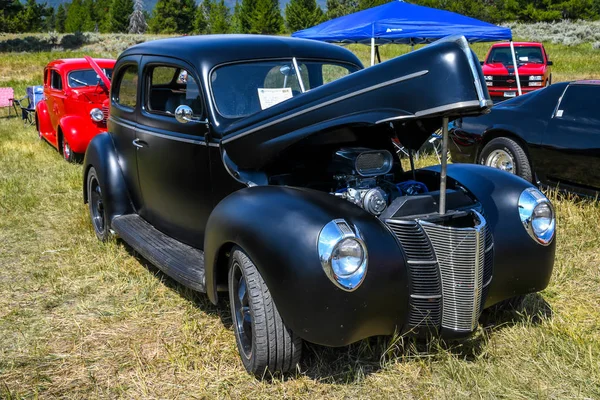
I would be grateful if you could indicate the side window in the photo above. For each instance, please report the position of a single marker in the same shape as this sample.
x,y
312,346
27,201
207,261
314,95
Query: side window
x,y
332,72
580,103
171,87
56,80
125,91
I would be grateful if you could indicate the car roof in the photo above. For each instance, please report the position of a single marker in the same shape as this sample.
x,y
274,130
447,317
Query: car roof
x,y
518,44
79,63
595,82
212,50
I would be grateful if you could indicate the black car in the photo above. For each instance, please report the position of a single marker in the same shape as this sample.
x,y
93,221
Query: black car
x,y
550,137
263,166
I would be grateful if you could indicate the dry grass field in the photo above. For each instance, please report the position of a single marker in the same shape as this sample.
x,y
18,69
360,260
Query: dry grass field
x,y
83,319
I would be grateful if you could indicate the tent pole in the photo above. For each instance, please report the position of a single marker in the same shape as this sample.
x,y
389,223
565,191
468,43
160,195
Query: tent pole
x,y
516,66
378,55
444,166
372,51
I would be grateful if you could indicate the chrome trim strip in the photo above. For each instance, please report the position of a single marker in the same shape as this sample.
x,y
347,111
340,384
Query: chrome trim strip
x,y
420,296
327,103
161,135
447,107
490,248
298,74
421,262
488,282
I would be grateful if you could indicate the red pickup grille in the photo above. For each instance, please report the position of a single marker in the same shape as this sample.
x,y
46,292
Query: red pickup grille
x,y
510,81
105,112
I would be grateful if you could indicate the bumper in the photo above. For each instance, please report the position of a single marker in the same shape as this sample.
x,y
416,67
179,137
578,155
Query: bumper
x,y
509,92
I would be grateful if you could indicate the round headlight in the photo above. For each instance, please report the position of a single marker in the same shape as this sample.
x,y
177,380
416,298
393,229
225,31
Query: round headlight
x,y
347,257
343,254
537,215
96,114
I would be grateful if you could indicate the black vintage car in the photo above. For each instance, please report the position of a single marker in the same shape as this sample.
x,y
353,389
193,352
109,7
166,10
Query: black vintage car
x,y
550,137
263,166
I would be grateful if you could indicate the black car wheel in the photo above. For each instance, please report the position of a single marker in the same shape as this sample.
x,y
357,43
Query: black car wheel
x,y
506,154
96,205
263,340
68,154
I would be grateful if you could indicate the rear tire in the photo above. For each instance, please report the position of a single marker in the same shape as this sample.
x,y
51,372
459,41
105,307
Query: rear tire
x,y
506,154
263,340
96,206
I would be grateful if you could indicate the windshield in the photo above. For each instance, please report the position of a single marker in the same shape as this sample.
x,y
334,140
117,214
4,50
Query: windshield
x,y
246,88
87,77
525,54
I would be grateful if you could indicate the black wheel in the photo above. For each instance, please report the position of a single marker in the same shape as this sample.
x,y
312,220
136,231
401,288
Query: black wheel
x,y
263,340
506,154
96,205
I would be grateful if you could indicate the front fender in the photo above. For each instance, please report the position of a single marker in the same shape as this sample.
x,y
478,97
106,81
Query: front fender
x,y
101,155
78,131
278,228
521,265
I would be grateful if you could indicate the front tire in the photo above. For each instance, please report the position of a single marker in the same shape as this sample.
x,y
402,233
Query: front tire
x,y
96,206
263,340
67,152
506,154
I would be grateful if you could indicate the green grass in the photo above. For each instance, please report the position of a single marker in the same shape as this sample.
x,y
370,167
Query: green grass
x,y
84,319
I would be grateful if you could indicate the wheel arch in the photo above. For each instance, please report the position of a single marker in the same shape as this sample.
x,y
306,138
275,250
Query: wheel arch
x,y
101,155
495,133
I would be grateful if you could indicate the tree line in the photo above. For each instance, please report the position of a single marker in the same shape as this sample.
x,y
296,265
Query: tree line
x,y
253,16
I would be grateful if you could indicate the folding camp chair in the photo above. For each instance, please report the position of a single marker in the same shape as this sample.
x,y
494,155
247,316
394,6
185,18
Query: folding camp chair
x,y
7,95
26,105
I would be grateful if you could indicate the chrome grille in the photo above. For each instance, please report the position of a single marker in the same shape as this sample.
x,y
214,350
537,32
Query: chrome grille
x,y
460,253
105,112
425,301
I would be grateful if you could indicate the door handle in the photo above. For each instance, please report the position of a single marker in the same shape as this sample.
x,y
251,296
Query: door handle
x,y
139,143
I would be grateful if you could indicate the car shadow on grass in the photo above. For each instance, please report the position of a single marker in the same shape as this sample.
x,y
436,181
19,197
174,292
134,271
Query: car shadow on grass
x,y
353,363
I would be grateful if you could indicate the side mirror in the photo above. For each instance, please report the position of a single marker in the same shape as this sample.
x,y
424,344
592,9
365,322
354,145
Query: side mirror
x,y
482,62
184,114
549,62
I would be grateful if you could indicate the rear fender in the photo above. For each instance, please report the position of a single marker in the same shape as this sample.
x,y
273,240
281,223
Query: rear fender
x,y
278,227
43,117
101,155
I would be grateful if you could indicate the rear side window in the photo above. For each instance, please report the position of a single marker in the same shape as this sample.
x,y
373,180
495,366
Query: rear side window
x,y
580,103
125,90
56,81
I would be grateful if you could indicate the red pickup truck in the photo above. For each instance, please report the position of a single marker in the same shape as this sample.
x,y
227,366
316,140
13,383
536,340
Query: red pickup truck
x,y
499,71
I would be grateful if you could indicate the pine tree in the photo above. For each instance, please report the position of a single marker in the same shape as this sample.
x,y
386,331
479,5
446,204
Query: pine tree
x,y
31,17
302,14
201,20
137,21
61,16
10,13
245,15
102,12
219,20
236,19
173,16
76,16
339,8
90,23
120,10
364,4
49,19
266,18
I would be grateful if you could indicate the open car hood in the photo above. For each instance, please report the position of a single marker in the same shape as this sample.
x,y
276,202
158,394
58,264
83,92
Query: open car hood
x,y
412,92
99,71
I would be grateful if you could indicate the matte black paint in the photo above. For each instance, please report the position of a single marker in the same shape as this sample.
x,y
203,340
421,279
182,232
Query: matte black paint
x,y
561,152
287,258
520,263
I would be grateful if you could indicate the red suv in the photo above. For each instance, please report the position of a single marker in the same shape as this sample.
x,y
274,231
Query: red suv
x,y
499,71
75,105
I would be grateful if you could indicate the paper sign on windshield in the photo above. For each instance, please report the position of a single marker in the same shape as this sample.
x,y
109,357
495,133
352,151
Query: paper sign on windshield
x,y
270,97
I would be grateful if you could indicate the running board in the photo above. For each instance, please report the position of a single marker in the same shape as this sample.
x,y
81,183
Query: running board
x,y
181,262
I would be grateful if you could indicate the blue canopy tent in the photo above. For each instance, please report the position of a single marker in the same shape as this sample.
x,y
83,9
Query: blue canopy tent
x,y
405,23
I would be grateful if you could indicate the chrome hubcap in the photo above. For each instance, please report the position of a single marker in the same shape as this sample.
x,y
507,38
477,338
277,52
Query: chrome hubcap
x,y
501,159
67,151
243,318
97,207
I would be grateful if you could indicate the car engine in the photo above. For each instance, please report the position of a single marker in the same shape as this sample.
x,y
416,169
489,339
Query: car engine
x,y
363,178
